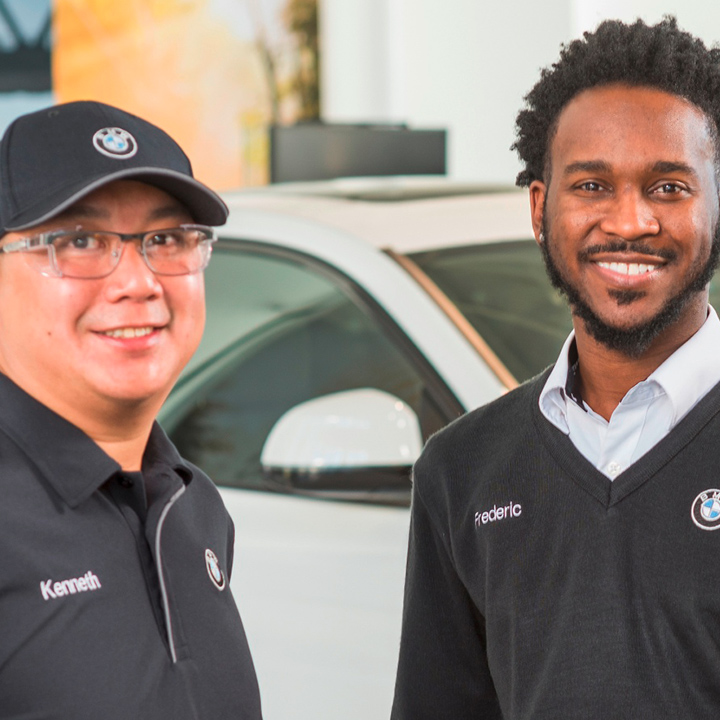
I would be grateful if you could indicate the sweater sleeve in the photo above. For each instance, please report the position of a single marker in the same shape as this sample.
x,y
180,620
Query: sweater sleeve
x,y
443,670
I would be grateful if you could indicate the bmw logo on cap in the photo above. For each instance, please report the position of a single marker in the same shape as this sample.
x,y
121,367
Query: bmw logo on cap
x,y
115,143
706,510
214,571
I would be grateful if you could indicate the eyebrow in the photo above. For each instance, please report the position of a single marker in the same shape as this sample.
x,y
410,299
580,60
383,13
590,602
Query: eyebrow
x,y
79,211
82,212
600,166
592,166
666,166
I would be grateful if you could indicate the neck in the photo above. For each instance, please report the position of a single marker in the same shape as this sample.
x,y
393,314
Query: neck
x,y
119,426
126,450
119,429
607,375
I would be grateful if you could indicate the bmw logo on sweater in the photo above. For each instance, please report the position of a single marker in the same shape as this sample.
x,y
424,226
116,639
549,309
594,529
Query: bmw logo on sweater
x,y
706,510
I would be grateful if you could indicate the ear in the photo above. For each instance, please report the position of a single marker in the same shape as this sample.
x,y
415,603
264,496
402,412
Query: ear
x,y
538,192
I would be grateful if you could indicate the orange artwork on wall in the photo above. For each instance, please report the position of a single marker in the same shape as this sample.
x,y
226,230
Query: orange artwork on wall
x,y
212,73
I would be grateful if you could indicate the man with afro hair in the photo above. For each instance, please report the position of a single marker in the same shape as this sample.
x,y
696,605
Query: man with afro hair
x,y
562,547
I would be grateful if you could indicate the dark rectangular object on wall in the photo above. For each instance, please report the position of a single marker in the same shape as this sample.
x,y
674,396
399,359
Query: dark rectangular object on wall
x,y
323,151
25,69
25,54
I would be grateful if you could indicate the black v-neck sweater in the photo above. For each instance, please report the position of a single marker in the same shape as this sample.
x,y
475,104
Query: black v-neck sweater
x,y
538,588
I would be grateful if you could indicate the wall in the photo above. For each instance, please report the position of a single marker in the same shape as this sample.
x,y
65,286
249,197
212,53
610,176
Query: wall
x,y
462,64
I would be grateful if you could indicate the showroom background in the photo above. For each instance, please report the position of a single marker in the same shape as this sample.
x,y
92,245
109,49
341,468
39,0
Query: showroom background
x,y
463,65
302,303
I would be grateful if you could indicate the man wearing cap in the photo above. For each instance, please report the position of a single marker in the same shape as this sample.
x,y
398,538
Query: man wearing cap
x,y
116,554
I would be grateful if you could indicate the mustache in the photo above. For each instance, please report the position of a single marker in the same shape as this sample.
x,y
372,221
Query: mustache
x,y
621,246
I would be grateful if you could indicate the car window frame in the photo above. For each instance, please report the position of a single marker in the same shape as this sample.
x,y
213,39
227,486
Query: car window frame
x,y
438,390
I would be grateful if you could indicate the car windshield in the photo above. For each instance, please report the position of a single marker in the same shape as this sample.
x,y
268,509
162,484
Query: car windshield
x,y
503,291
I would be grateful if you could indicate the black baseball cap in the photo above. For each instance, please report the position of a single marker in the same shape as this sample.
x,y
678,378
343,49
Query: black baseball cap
x,y
51,158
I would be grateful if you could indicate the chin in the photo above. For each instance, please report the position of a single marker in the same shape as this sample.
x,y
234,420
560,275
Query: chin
x,y
135,395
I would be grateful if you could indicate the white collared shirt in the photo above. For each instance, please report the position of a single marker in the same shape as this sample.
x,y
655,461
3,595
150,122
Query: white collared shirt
x,y
649,410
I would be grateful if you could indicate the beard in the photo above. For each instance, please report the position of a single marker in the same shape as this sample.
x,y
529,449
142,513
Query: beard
x,y
635,340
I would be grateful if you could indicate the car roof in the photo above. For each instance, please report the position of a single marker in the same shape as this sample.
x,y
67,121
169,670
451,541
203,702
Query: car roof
x,y
405,214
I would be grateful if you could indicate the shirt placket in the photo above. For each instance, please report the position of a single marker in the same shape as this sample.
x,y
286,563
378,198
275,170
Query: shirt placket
x,y
170,627
148,524
165,488
624,431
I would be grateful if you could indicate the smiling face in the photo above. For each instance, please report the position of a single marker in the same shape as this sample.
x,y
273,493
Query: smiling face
x,y
86,347
630,215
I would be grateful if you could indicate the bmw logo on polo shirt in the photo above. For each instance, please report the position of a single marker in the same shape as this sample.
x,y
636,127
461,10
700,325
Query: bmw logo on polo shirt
x,y
214,571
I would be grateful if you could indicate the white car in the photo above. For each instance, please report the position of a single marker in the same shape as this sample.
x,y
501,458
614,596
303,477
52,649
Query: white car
x,y
347,321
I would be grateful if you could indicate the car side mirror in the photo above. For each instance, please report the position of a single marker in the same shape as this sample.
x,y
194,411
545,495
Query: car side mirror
x,y
353,445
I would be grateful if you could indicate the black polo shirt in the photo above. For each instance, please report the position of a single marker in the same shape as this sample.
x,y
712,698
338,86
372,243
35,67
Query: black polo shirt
x,y
114,587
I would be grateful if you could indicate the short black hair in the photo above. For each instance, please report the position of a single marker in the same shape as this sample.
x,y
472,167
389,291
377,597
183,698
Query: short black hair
x,y
659,56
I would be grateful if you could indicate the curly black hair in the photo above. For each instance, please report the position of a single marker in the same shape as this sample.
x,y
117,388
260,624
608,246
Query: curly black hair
x,y
660,56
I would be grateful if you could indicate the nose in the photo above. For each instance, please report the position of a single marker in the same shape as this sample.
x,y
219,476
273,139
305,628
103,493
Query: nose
x,y
630,216
132,278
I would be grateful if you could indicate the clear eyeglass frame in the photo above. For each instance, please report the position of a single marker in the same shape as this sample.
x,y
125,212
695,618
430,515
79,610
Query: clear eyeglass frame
x,y
94,254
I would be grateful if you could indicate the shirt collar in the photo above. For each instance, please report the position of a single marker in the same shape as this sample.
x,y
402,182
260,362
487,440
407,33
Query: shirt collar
x,y
73,464
685,377
553,396
693,369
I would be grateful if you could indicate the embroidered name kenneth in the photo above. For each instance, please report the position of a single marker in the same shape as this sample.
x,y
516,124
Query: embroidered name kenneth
x,y
51,590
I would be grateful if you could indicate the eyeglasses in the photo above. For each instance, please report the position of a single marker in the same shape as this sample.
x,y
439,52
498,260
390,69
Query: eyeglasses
x,y
86,254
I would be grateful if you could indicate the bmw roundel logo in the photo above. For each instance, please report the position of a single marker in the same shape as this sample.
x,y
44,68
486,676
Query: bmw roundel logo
x,y
706,510
115,143
213,567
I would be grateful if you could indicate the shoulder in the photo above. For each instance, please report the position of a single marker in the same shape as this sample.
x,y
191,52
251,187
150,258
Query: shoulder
x,y
501,422
203,491
479,444
203,513
201,494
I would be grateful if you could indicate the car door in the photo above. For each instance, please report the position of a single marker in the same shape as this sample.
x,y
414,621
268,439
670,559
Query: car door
x,y
320,552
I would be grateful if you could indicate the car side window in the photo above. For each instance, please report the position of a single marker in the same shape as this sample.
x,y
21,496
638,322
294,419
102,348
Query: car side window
x,y
280,331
